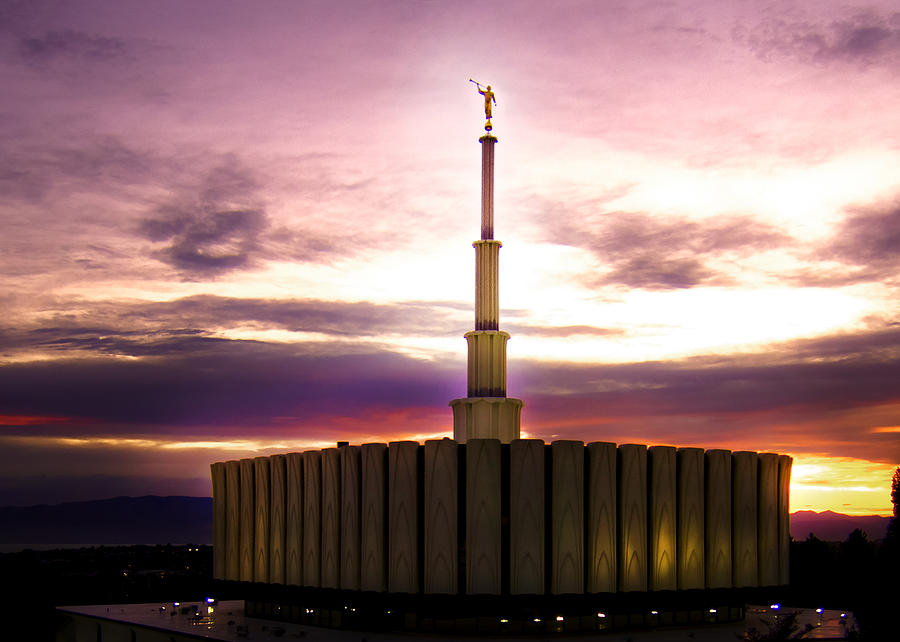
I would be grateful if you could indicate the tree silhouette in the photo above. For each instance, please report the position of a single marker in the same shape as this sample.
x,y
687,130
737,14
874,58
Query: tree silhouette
x,y
895,492
893,534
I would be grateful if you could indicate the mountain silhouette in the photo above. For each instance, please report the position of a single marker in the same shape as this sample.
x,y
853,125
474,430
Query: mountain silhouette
x,y
188,520
115,521
835,527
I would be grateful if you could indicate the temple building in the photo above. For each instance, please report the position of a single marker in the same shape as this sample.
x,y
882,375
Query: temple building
x,y
490,533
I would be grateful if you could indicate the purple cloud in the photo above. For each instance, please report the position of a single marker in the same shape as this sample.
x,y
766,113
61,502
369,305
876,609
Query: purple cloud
x,y
865,38
866,242
650,253
71,46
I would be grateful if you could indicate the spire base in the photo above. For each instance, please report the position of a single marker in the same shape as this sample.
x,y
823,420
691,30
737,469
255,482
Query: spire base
x,y
486,418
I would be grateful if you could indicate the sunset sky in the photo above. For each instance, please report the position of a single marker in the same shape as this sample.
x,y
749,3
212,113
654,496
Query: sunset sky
x,y
234,228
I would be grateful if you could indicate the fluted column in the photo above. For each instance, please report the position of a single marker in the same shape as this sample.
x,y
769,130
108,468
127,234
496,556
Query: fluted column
x,y
487,289
487,185
487,363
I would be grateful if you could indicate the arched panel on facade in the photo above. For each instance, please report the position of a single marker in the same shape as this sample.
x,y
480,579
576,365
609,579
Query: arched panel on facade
x,y
526,517
293,525
483,516
745,571
351,502
691,518
233,518
718,518
767,516
373,542
632,517
220,518
661,519
248,519
276,518
312,518
262,503
331,519
403,517
601,517
441,483
784,518
567,540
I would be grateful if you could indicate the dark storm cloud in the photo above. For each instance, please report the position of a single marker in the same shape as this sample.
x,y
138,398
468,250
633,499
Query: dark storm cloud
x,y
866,243
326,317
199,386
870,237
835,372
649,253
185,325
212,227
109,341
815,396
227,384
218,223
206,240
864,38
213,221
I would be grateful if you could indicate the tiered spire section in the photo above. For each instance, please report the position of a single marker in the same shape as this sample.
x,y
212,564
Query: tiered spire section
x,y
487,250
487,413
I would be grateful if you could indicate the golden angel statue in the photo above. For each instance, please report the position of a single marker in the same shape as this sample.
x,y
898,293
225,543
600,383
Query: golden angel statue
x,y
489,102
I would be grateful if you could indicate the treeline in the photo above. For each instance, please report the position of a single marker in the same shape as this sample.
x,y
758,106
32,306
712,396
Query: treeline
x,y
858,575
35,582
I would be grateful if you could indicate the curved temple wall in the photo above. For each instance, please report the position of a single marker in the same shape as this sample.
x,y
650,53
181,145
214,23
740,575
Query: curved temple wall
x,y
485,518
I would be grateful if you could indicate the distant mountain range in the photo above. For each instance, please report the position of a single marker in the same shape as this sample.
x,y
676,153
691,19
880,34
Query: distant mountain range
x,y
188,520
835,527
116,521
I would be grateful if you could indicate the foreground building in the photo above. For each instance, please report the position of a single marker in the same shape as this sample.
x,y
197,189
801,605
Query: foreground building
x,y
490,533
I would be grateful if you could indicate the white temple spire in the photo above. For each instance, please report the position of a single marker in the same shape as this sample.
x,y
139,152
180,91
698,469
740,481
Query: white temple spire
x,y
487,413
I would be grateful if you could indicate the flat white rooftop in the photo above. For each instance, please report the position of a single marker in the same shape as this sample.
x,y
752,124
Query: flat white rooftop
x,y
226,621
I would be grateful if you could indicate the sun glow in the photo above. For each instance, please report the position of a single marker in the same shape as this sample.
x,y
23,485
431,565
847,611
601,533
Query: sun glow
x,y
843,485
685,323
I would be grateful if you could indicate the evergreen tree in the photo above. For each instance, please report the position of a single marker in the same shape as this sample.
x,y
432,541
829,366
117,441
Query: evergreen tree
x,y
893,534
895,492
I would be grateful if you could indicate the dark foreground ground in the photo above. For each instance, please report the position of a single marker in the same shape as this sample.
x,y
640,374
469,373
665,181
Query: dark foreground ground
x,y
856,575
226,621
35,582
